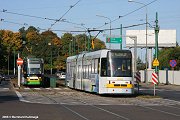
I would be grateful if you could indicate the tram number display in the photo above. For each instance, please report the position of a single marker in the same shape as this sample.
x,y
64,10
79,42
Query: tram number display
x,y
124,55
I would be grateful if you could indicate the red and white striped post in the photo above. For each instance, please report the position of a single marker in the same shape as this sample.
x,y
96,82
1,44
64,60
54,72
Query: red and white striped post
x,y
154,81
138,78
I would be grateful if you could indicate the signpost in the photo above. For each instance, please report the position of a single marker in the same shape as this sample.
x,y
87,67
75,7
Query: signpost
x,y
154,81
113,40
19,63
155,62
173,63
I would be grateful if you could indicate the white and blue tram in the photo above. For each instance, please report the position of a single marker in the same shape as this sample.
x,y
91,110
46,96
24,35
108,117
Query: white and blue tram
x,y
103,72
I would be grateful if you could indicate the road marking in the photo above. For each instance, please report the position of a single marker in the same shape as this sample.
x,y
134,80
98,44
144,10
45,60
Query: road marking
x,y
111,112
27,88
4,89
160,111
57,88
74,112
37,88
20,97
48,88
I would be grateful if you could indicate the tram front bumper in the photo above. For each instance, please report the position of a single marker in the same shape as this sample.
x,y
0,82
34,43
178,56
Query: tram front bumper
x,y
120,88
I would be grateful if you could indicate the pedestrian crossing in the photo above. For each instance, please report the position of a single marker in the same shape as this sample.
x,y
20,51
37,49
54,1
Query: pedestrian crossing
x,y
39,89
34,89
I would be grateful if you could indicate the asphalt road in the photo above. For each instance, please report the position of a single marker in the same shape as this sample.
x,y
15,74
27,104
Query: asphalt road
x,y
82,107
165,91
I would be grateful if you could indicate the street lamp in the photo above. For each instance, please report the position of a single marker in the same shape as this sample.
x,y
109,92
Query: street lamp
x,y
110,26
146,34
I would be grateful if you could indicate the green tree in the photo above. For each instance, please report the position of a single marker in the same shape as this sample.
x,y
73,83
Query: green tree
x,y
51,44
10,42
167,54
98,44
140,64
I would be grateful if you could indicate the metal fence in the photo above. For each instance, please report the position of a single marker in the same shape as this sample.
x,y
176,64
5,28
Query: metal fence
x,y
165,76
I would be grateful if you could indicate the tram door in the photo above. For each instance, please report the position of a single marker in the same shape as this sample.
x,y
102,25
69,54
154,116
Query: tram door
x,y
74,70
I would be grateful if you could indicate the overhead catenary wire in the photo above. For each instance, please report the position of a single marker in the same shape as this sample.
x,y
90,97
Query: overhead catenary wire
x,y
63,20
38,17
64,13
5,11
24,24
127,14
78,31
101,30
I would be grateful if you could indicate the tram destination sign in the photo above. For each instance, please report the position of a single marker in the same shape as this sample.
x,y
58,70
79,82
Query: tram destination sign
x,y
113,40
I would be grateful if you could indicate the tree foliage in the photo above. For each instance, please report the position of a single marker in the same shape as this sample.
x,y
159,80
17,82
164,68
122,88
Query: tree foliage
x,y
167,54
47,45
140,64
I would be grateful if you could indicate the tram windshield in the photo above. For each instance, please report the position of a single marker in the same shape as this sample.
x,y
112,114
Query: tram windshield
x,y
118,64
34,69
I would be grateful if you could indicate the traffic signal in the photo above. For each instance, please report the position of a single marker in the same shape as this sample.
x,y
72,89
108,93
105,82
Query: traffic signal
x,y
92,44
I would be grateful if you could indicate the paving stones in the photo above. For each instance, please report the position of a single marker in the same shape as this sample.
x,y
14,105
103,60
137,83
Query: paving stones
x,y
74,97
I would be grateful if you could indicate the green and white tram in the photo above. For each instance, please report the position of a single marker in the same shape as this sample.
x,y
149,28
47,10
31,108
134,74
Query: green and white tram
x,y
103,72
33,71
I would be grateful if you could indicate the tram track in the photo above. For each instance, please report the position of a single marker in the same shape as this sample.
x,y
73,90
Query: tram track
x,y
76,98
115,114
87,104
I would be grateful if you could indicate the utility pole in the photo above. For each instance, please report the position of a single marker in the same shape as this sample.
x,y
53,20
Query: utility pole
x,y
89,38
135,55
121,37
156,42
70,49
14,62
146,58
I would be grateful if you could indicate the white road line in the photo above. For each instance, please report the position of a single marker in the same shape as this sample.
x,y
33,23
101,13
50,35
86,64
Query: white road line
x,y
37,88
20,97
74,112
173,114
57,88
120,116
27,88
4,89
48,88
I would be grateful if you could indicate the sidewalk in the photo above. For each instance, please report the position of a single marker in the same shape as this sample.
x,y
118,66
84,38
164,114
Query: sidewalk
x,y
161,86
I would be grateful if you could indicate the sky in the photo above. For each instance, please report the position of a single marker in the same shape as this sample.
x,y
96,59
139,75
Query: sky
x,y
39,13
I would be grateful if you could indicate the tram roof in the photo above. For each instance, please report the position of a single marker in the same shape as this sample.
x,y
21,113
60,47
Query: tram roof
x,y
94,54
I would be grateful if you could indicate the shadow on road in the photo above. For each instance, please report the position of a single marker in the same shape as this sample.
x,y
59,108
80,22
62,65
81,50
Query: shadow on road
x,y
8,96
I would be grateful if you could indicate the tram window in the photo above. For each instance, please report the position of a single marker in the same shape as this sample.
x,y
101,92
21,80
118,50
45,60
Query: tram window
x,y
104,67
79,71
86,71
122,68
89,70
96,66
93,65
